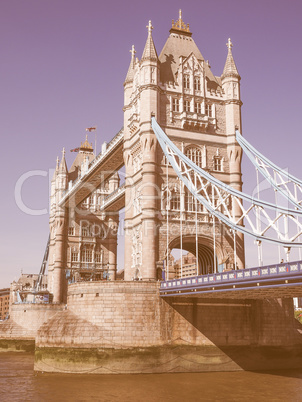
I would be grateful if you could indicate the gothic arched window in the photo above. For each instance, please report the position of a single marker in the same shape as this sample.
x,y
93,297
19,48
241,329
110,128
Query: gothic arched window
x,y
186,81
197,84
175,200
195,154
87,254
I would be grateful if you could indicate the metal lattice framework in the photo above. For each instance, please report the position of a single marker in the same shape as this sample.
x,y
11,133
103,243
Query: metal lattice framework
x,y
284,183
264,221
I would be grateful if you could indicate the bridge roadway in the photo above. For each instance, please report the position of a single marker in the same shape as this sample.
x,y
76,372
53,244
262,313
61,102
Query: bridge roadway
x,y
272,281
102,167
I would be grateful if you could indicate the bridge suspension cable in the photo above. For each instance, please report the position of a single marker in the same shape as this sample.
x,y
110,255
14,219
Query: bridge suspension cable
x,y
282,181
233,206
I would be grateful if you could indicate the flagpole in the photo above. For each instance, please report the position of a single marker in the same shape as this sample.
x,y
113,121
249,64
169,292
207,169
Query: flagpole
x,y
95,154
89,129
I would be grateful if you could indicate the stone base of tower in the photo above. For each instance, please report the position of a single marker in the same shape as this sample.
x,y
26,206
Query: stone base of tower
x,y
125,327
18,333
167,359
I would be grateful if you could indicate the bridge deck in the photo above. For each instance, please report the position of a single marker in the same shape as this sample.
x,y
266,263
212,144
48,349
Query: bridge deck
x,y
279,280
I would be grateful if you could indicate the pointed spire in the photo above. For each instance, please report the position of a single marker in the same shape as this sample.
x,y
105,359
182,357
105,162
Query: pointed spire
x,y
130,73
149,52
230,69
57,163
63,166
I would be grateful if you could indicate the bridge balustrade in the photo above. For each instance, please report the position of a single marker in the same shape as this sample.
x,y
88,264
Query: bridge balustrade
x,y
246,278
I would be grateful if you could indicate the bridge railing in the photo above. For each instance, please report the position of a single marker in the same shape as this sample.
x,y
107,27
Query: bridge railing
x,y
112,196
110,145
251,274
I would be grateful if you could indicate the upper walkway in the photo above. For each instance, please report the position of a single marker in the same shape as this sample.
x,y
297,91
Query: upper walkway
x,y
102,167
272,281
115,201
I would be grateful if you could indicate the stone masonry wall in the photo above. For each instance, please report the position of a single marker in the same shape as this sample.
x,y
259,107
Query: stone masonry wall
x,y
26,319
131,314
125,327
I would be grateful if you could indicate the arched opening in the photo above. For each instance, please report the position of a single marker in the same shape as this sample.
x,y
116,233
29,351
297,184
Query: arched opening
x,y
205,257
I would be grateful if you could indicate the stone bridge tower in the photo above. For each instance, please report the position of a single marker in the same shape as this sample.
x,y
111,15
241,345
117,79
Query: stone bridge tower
x,y
83,240
199,112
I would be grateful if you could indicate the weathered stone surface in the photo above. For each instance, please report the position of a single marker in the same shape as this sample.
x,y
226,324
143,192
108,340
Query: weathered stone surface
x,y
129,328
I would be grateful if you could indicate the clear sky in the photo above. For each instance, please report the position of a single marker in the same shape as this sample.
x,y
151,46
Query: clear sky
x,y
62,68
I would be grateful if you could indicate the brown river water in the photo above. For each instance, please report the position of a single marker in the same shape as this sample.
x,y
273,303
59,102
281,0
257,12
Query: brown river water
x,y
18,382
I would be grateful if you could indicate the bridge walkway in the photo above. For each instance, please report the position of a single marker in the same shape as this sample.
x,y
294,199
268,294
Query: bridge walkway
x,y
102,167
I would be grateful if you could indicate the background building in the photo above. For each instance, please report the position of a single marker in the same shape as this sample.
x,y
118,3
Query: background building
x,y
4,303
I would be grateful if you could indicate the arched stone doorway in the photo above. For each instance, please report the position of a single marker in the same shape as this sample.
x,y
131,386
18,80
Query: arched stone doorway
x,y
205,252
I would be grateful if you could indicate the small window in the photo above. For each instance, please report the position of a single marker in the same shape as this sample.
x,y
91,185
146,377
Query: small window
x,y
175,201
209,110
71,231
190,202
197,108
187,106
175,105
74,257
186,81
84,231
197,84
87,255
217,164
97,257
97,295
195,154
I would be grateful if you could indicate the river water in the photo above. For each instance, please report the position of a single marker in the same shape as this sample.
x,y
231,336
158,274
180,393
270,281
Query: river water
x,y
18,382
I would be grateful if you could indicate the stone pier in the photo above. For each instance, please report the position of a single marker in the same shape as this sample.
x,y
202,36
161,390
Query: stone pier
x,y
125,327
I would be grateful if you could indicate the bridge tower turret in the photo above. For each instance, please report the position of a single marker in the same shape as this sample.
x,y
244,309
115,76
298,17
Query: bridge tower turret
x,y
231,85
58,232
141,100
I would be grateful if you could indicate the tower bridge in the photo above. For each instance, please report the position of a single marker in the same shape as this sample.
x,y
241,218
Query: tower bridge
x,y
181,149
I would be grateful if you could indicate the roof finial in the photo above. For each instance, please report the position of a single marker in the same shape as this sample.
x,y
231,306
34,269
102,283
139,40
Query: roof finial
x,y
132,51
63,152
58,162
229,44
179,25
150,27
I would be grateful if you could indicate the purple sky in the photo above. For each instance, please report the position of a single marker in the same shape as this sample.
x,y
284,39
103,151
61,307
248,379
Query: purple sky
x,y
63,64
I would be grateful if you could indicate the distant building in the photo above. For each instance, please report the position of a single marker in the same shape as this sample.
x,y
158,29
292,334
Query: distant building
x,y
4,303
25,289
188,266
298,302
29,281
